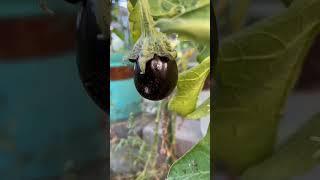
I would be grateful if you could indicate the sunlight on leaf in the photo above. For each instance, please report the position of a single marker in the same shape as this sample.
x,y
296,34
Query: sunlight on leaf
x,y
190,83
185,24
119,34
202,111
183,14
204,51
134,20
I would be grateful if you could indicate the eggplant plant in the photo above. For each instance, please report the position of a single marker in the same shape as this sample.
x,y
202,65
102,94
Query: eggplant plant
x,y
256,70
151,22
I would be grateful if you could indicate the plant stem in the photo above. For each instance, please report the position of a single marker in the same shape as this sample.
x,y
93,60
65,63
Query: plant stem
x,y
174,123
146,19
173,135
168,136
156,134
152,157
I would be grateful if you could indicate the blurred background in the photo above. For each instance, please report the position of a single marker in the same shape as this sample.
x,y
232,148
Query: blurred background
x,y
304,100
50,128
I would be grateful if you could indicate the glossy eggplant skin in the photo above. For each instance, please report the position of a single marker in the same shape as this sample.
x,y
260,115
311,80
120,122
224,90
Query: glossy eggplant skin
x,y
159,80
93,55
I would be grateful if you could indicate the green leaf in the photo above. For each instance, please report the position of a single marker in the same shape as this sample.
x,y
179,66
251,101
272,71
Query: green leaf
x,y
164,8
185,23
201,111
204,51
185,10
132,2
190,83
294,158
134,21
195,164
255,72
119,34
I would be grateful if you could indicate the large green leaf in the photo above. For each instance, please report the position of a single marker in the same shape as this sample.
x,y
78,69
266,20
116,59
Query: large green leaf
x,y
294,158
195,164
190,83
185,23
197,14
163,9
255,72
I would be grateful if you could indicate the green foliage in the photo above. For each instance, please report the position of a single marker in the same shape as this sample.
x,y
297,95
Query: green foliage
x,y
119,34
195,164
180,17
134,19
190,83
201,111
294,158
185,23
175,17
192,14
151,41
135,143
256,70
204,51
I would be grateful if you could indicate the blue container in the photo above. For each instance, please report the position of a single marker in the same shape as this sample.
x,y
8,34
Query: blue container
x,y
22,8
46,117
124,98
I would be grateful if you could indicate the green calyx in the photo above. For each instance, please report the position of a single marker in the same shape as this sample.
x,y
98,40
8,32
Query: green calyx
x,y
151,41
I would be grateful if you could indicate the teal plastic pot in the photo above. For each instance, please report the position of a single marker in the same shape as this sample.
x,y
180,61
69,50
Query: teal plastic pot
x,y
124,98
47,120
